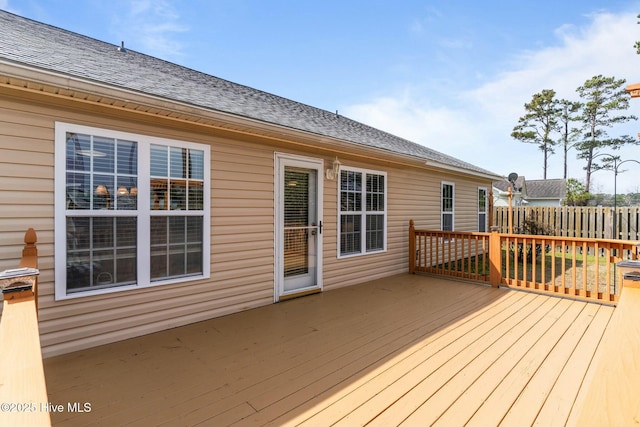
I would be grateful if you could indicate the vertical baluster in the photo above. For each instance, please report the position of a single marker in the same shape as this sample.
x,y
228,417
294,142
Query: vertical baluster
x,y
508,259
573,268
532,261
563,251
585,268
607,251
596,282
553,285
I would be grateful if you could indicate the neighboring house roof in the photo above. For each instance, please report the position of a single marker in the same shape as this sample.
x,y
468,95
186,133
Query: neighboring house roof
x,y
547,189
554,189
51,49
503,185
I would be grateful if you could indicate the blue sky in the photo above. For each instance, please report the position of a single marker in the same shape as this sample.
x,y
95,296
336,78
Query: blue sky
x,y
452,75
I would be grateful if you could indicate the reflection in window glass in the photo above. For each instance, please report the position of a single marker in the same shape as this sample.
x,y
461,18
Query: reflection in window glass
x,y
350,232
177,181
375,233
103,154
78,152
127,158
159,160
176,246
101,252
101,173
196,162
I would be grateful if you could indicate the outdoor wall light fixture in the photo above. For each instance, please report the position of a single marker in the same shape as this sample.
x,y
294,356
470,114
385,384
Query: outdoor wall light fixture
x,y
333,172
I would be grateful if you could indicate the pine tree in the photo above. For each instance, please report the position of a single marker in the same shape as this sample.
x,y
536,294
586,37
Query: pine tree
x,y
602,98
568,114
538,124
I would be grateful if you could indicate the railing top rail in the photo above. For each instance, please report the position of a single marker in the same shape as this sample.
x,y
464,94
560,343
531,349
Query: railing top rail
x,y
533,236
448,233
572,239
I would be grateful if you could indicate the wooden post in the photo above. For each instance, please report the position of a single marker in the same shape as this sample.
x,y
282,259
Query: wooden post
x,y
510,218
495,258
30,258
412,247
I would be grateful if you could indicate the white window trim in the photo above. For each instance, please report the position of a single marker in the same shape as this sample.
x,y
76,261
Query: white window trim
x,y
453,207
486,208
363,242
143,211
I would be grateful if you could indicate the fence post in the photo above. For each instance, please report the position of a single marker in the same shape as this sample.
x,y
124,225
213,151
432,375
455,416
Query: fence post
x,y
412,247
495,258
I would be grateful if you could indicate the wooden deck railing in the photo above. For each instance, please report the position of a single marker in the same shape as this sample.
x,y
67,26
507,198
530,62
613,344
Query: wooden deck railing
x,y
580,268
23,391
456,254
572,267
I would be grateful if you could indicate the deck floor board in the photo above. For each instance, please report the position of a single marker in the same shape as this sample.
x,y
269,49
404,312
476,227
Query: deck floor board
x,y
406,349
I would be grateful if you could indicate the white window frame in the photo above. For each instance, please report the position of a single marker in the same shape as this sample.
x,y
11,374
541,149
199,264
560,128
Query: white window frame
x,y
363,212
453,205
486,208
143,211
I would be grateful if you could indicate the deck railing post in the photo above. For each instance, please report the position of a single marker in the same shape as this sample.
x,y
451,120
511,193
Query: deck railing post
x,y
495,258
412,247
30,258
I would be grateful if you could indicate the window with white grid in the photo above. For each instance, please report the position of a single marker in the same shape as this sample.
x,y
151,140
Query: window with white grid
x,y
362,212
482,209
131,211
447,206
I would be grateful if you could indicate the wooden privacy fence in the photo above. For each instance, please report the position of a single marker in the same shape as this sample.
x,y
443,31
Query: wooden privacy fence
x,y
573,221
579,268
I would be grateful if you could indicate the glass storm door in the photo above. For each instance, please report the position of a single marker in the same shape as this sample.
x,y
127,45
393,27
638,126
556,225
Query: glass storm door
x,y
300,230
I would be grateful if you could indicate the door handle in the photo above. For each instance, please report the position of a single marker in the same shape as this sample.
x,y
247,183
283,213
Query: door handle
x,y
313,224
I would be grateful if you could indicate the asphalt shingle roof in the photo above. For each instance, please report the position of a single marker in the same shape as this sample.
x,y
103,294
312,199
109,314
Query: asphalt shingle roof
x,y
537,188
46,47
547,188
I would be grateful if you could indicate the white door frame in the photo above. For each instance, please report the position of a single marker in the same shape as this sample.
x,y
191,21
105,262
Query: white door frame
x,y
280,161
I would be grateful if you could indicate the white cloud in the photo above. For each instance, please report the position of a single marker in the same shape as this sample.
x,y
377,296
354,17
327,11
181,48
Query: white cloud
x,y
4,5
478,129
151,25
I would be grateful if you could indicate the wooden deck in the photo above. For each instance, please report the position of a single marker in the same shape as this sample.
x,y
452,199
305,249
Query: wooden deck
x,y
406,350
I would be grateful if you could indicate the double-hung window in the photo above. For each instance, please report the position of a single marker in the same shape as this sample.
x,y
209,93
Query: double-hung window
x,y
131,211
482,209
362,212
447,206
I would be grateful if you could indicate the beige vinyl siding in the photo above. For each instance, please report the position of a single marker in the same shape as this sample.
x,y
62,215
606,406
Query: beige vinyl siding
x,y
242,224
411,194
26,186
